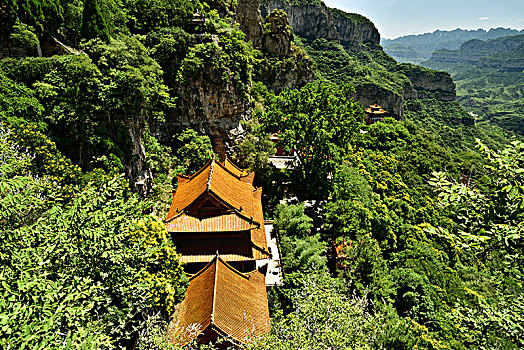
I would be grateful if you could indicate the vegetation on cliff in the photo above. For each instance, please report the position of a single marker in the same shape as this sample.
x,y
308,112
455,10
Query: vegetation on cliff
x,y
489,79
402,234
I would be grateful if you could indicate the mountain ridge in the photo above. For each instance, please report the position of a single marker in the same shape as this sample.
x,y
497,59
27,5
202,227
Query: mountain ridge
x,y
426,43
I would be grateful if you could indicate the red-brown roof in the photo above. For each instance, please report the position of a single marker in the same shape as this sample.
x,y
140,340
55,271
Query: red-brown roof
x,y
221,299
220,223
216,179
258,235
233,168
241,202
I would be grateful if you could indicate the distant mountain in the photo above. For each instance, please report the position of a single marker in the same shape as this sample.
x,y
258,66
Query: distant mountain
x,y
489,77
418,48
505,54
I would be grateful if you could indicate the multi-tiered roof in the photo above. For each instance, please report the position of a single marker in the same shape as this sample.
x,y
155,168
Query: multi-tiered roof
x,y
218,209
375,113
217,224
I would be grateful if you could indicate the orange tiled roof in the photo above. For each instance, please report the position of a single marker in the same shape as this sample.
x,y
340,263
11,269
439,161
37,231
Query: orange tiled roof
x,y
215,180
376,112
233,168
220,223
189,189
258,235
220,182
221,299
237,194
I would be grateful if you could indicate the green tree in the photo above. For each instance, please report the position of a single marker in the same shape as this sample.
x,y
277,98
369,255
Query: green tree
x,y
302,254
144,16
24,36
169,46
93,22
324,316
253,153
162,269
319,122
18,104
490,220
290,221
37,13
73,272
193,151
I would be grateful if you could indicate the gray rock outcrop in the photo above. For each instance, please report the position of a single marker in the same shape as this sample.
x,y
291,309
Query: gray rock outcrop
x,y
250,21
429,83
319,21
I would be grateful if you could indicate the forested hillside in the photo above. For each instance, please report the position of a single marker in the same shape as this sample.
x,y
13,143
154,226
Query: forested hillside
x,y
489,77
403,234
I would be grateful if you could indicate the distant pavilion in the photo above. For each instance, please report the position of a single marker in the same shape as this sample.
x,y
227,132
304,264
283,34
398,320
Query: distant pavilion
x,y
375,113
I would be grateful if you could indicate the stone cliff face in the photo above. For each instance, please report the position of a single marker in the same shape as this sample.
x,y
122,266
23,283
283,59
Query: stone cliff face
x,y
308,21
369,93
249,18
354,29
311,21
210,105
503,64
429,83
293,73
278,37
215,106
136,170
282,65
493,46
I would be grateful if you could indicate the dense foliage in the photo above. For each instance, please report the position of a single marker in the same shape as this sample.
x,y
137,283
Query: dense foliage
x,y
318,122
80,261
397,235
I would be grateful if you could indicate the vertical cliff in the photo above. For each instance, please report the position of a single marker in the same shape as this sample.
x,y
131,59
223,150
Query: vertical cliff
x,y
316,20
249,18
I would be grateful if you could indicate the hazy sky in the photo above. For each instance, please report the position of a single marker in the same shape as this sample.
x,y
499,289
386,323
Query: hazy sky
x,y
395,18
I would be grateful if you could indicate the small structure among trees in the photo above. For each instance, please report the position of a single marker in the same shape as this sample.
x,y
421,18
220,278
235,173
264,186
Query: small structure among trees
x,y
197,22
375,113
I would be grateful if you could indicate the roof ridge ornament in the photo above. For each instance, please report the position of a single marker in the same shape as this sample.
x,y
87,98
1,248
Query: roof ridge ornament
x,y
210,174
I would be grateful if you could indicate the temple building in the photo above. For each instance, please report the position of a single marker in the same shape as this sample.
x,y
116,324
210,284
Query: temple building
x,y
218,209
222,302
197,22
375,113
217,225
